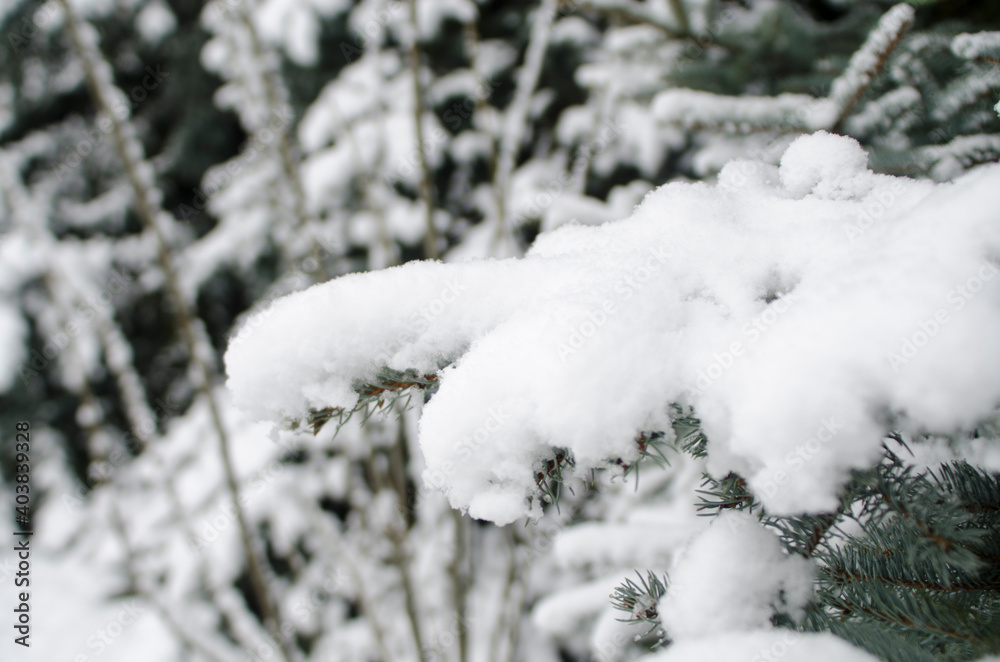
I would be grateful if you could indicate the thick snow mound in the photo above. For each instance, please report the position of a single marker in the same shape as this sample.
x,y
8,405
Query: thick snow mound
x,y
710,594
797,308
826,165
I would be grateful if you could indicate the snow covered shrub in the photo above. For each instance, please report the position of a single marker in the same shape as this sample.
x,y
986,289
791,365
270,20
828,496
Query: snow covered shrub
x,y
795,315
169,165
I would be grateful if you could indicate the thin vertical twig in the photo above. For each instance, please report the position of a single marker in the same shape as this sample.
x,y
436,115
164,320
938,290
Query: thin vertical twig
x,y
181,630
460,581
510,579
275,96
389,253
147,208
516,117
341,549
426,192
398,536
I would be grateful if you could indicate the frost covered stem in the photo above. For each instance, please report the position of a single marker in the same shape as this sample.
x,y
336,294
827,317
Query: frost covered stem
x,y
508,621
275,101
430,236
335,541
459,582
869,60
148,212
398,536
516,117
63,290
180,630
389,253
402,561
604,103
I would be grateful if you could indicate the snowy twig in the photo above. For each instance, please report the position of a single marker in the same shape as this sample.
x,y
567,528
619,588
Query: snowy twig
x,y
696,110
426,193
980,46
401,556
460,580
640,602
516,116
389,253
183,631
275,97
129,151
505,622
346,556
869,60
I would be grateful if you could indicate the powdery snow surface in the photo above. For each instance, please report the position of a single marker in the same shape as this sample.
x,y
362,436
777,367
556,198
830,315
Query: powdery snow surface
x,y
72,617
795,308
710,594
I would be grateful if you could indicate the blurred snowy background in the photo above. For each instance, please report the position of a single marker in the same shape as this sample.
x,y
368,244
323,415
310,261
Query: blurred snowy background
x,y
169,166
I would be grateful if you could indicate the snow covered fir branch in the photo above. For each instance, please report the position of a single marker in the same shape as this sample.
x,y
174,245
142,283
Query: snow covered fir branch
x,y
501,330
811,453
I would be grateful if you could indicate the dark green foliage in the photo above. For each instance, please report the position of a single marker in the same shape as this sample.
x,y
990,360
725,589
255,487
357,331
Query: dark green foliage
x,y
550,478
687,430
728,492
926,568
908,567
925,108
